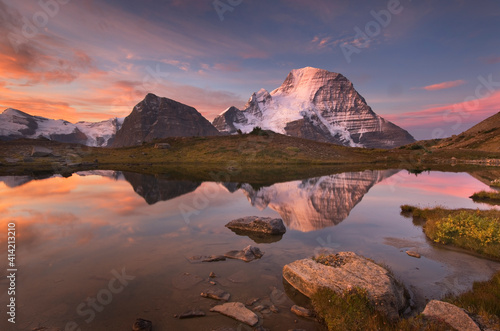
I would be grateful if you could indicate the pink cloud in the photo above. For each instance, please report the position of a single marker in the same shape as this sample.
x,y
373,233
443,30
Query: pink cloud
x,y
444,85
457,114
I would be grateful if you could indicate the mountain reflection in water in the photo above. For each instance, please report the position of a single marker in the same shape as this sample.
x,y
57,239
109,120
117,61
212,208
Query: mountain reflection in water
x,y
304,205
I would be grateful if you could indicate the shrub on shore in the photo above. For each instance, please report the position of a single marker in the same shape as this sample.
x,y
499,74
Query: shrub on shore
x,y
475,230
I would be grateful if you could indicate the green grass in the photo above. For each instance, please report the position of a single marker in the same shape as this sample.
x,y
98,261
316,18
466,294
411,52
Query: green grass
x,y
495,183
492,198
475,230
353,310
482,300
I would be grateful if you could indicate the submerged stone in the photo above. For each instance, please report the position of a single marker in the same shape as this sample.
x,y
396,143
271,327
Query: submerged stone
x,y
142,325
238,311
216,294
248,254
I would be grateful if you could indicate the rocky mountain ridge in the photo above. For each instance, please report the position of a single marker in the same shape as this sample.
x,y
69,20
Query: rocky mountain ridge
x,y
156,118
15,124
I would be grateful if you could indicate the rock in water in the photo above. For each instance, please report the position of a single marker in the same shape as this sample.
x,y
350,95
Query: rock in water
x,y
248,254
142,325
192,313
413,254
319,105
237,311
387,295
301,311
265,225
156,118
216,294
450,314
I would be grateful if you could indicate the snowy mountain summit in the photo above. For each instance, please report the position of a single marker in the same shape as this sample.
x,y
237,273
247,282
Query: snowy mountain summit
x,y
315,104
16,124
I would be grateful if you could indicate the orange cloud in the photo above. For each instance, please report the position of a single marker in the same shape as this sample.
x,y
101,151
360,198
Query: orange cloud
x,y
444,85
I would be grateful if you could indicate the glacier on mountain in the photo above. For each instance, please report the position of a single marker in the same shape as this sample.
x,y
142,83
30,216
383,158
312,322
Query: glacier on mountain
x,y
315,104
17,124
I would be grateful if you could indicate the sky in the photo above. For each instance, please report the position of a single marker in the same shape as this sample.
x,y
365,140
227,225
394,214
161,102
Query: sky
x,y
431,67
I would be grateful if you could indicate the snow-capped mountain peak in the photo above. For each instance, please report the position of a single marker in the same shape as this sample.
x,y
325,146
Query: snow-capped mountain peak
x,y
315,104
17,124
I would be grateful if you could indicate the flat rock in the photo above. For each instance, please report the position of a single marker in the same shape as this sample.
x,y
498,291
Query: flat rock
x,y
238,311
214,258
301,311
39,151
450,314
216,294
206,258
387,295
265,225
247,254
413,254
192,313
142,325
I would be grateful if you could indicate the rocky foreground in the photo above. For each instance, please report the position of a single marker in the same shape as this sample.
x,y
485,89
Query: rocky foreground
x,y
345,271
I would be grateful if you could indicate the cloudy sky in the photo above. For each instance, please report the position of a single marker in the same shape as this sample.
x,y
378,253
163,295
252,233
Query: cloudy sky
x,y
432,67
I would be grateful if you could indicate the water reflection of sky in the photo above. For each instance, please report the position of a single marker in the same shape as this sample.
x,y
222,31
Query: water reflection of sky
x,y
73,231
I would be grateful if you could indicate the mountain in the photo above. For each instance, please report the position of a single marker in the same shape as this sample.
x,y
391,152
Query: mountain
x,y
16,124
156,117
154,189
315,104
316,203
484,136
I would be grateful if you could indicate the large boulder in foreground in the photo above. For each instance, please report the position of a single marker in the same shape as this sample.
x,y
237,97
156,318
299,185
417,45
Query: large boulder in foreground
x,y
266,225
450,314
344,271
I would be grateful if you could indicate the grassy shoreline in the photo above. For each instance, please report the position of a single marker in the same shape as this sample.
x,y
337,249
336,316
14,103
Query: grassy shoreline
x,y
491,198
474,230
245,153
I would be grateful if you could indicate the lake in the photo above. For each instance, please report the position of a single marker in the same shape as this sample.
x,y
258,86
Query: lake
x,y
99,249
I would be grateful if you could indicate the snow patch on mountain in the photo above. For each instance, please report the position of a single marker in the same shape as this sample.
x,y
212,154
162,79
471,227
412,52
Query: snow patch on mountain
x,y
17,124
315,104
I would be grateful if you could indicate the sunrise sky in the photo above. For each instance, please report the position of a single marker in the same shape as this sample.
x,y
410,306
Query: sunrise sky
x,y
432,67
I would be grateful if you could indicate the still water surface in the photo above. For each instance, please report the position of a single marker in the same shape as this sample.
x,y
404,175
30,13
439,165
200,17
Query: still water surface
x,y
126,239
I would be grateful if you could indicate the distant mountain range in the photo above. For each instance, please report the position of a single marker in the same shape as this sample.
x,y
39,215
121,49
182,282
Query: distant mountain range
x,y
15,124
311,103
